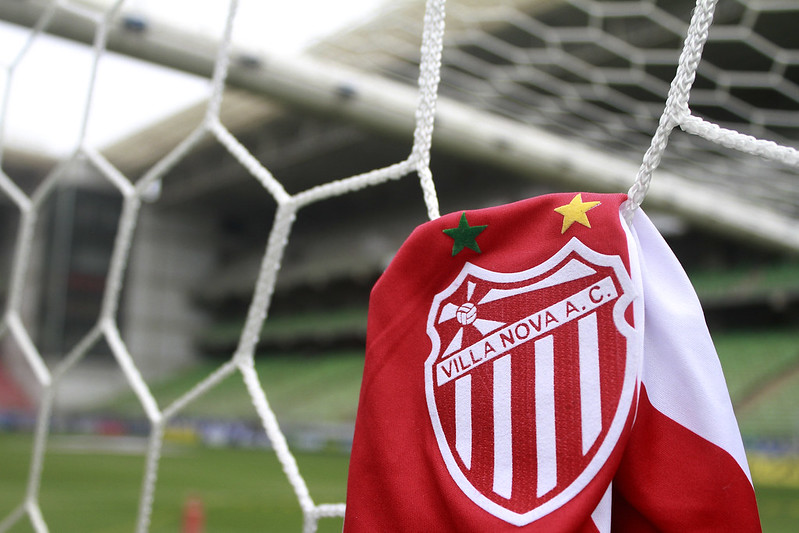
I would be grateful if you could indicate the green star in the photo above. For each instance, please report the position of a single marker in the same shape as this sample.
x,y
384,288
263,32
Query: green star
x,y
464,236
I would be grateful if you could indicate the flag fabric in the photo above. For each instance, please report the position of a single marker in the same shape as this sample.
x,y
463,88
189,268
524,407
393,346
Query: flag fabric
x,y
543,366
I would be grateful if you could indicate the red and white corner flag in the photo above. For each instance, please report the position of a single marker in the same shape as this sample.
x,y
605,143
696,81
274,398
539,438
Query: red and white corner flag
x,y
542,366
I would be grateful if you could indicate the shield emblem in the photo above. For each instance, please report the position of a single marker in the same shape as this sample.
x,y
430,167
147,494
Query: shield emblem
x,y
531,378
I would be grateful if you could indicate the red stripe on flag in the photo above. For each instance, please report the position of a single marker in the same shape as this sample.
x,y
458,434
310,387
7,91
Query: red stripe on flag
x,y
671,479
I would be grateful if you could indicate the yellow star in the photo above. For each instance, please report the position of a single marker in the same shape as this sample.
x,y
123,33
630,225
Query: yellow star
x,y
575,211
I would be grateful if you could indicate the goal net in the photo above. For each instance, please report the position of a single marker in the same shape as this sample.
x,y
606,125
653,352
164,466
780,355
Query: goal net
x,y
573,89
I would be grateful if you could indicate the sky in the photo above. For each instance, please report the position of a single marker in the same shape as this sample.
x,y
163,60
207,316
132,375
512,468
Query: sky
x,y
48,92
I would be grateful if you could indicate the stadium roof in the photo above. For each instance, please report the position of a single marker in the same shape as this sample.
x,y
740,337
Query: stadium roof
x,y
598,73
567,91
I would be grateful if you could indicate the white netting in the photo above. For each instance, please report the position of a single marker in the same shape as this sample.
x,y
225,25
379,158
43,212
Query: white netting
x,y
677,113
107,328
597,72
568,90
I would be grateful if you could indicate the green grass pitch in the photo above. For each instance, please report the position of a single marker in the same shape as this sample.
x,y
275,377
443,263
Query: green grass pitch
x,y
242,490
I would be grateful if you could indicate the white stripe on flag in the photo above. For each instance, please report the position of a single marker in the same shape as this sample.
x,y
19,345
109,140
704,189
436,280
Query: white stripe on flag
x,y
503,443
590,394
601,515
546,451
463,419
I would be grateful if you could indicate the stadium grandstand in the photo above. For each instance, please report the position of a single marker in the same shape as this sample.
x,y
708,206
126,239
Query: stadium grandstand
x,y
518,77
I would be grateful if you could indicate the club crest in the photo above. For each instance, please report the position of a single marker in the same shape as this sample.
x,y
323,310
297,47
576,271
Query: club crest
x,y
531,378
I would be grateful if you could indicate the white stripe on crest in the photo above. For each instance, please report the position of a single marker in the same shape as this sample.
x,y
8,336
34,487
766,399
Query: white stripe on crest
x,y
503,430
546,445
